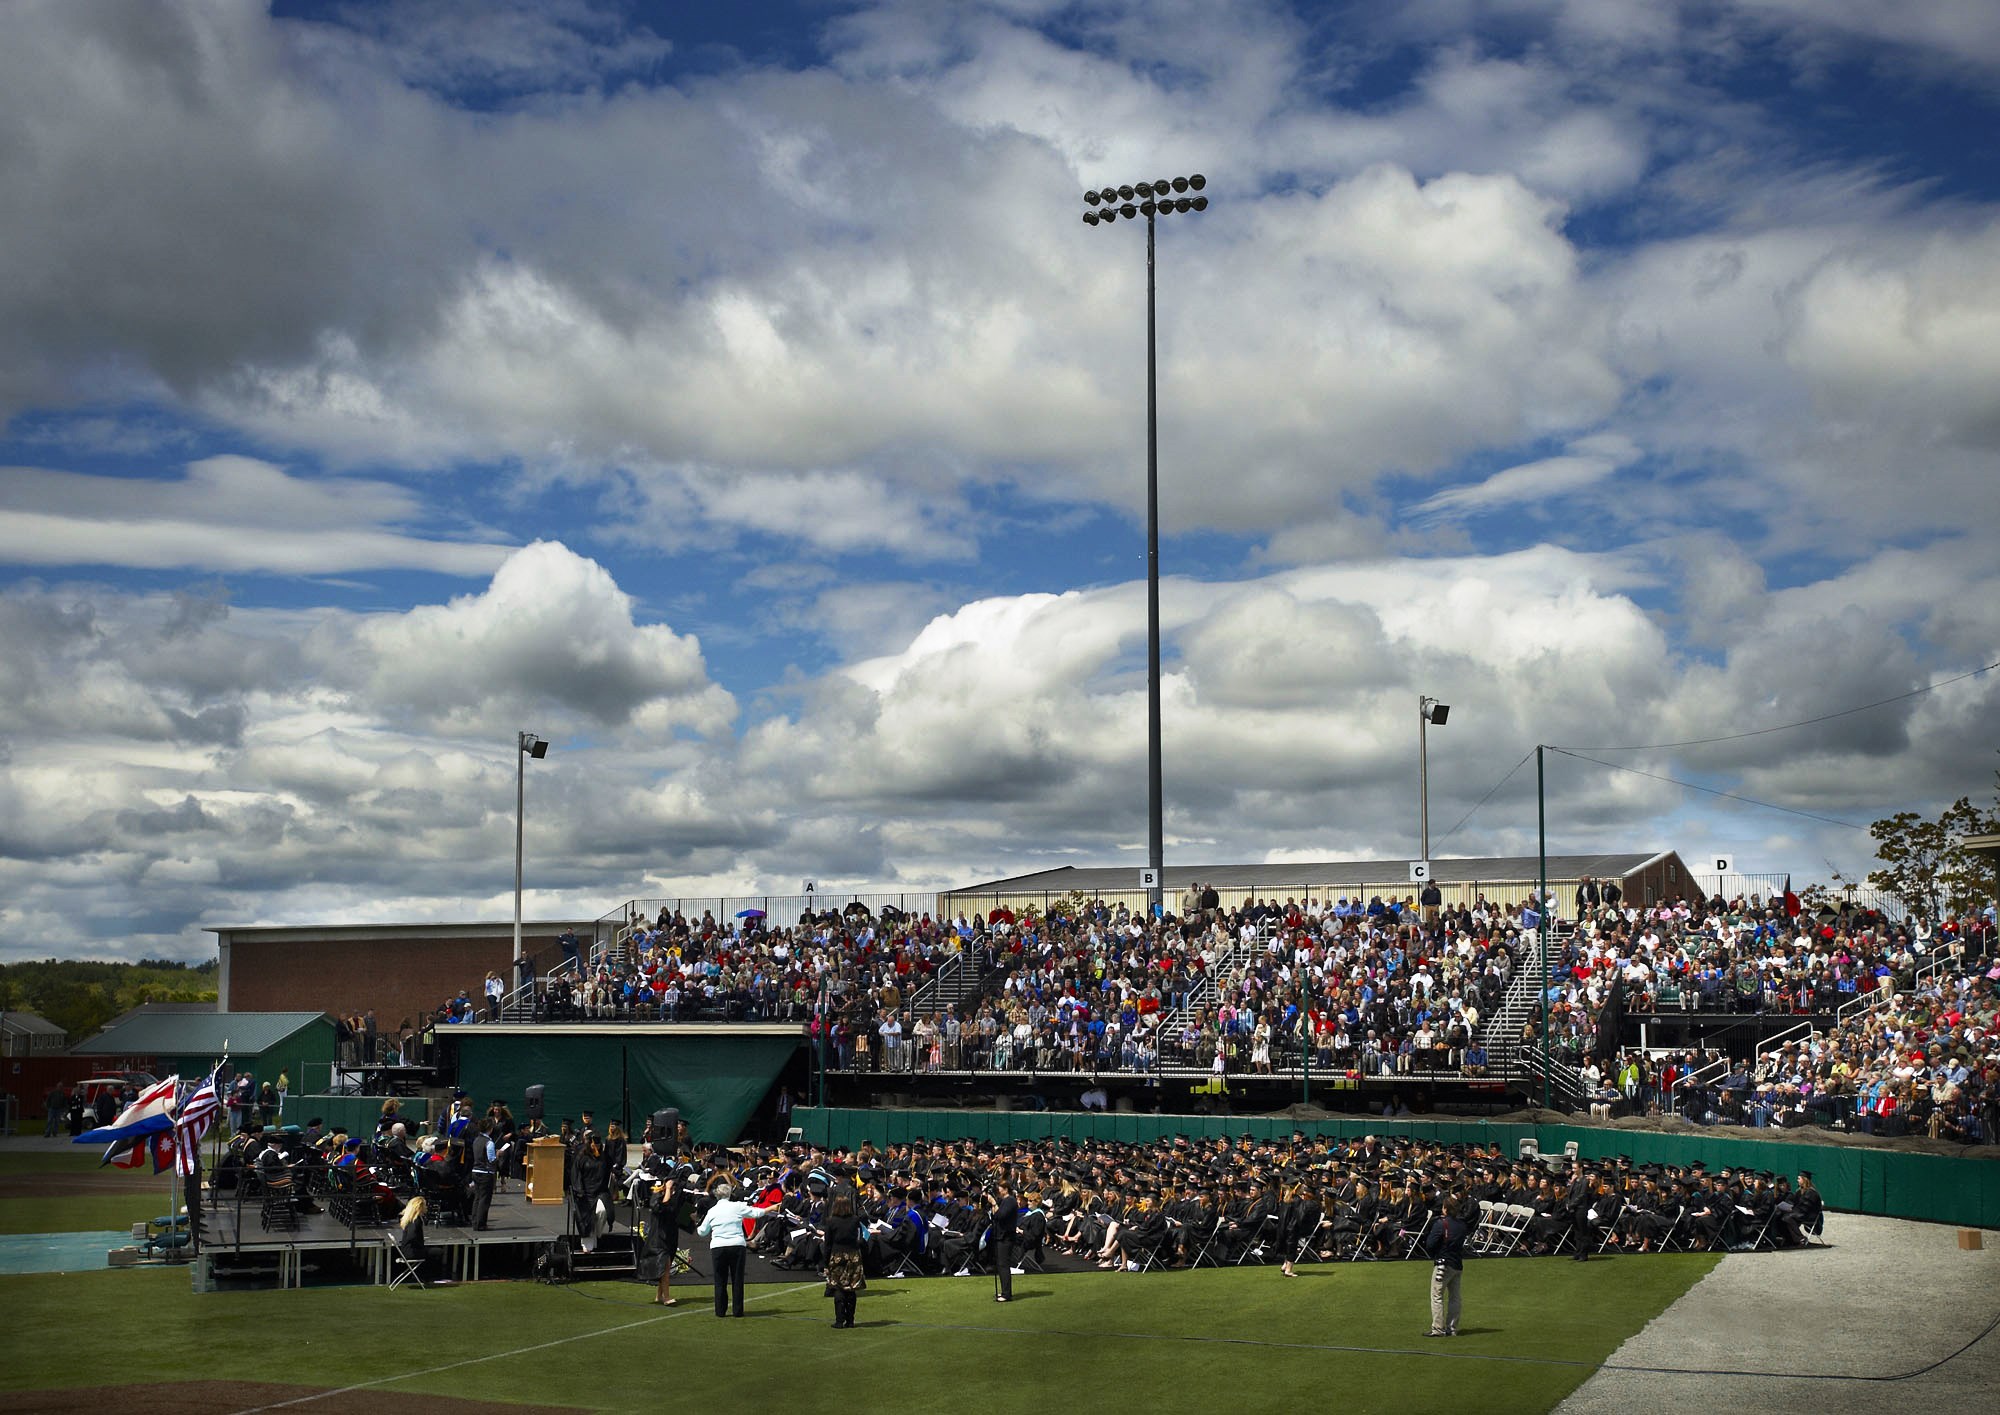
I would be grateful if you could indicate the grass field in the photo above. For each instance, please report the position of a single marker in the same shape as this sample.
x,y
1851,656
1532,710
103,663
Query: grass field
x,y
42,1192
1235,1340
1239,1340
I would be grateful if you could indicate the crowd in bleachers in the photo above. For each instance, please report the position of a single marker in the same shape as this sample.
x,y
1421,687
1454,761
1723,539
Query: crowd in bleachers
x,y
1366,988
1925,1061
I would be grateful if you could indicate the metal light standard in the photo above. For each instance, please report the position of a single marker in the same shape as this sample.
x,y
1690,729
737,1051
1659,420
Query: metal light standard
x,y
526,744
1430,713
1104,207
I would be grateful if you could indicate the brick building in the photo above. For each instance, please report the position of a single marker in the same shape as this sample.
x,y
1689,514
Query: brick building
x,y
399,970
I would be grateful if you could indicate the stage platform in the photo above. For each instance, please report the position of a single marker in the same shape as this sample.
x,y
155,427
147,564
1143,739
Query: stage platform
x,y
234,1243
237,1254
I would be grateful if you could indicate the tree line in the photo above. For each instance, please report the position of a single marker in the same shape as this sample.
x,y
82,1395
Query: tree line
x,y
80,996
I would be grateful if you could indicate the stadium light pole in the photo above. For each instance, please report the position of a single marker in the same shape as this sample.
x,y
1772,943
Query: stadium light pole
x,y
1542,911
1430,713
526,744
1103,208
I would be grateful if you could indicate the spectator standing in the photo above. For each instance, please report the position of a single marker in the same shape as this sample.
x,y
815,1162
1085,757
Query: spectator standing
x,y
242,1096
57,1106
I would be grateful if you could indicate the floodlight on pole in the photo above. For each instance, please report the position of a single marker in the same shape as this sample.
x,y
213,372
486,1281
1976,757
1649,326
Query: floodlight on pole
x,y
1430,713
1103,208
526,744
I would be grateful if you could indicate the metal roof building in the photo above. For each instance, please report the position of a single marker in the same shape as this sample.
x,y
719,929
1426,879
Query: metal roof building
x,y
263,1043
1645,877
29,1034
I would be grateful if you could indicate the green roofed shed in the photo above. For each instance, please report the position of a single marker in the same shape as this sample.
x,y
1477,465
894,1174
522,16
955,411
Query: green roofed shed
x,y
298,1044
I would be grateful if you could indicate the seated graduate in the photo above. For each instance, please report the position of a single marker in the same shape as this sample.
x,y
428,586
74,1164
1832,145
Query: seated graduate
x,y
898,1234
1144,1231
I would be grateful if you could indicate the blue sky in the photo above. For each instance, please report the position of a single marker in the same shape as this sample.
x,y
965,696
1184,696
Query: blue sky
x,y
734,395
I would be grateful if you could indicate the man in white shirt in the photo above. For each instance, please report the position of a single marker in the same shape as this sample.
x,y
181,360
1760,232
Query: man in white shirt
x,y
722,1226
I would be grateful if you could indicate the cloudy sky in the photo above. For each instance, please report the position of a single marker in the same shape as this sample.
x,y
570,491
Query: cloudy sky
x,y
733,395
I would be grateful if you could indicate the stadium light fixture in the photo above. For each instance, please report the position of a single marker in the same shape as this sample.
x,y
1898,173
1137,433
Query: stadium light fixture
x,y
1430,713
526,744
1104,207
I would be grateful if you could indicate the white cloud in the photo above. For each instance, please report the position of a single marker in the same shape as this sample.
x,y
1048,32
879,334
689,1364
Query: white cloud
x,y
228,514
1589,461
553,630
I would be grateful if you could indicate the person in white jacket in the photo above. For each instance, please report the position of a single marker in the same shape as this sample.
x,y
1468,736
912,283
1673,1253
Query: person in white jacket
x,y
722,1226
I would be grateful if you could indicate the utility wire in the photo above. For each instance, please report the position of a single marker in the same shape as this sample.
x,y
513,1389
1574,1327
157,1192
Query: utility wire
x,y
1483,800
1789,726
1691,786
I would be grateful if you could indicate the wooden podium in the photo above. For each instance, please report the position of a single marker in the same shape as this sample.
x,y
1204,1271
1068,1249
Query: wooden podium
x,y
545,1171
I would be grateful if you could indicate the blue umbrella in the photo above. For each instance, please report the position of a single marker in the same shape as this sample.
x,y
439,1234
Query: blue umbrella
x,y
749,913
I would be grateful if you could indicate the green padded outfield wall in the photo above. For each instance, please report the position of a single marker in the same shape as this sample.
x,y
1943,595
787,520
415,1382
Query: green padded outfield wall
x,y
716,1081
1935,1188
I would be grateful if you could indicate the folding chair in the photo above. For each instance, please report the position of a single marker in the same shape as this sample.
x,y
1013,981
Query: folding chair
x,y
1258,1241
1514,1226
1415,1234
1763,1241
1149,1256
1610,1231
276,1209
407,1252
1307,1248
1485,1234
1208,1241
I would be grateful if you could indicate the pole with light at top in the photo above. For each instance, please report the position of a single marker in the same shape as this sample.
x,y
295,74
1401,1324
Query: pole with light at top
x,y
526,744
1103,208
1430,713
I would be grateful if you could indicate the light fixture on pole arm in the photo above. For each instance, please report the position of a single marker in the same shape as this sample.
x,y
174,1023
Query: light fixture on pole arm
x,y
526,744
1103,208
1430,713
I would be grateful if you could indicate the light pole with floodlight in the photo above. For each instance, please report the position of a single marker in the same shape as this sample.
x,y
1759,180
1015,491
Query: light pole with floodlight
x,y
526,744
1430,713
1104,207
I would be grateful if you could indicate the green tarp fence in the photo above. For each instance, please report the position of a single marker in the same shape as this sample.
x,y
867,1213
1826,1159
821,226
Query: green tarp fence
x,y
356,1115
1936,1188
715,1081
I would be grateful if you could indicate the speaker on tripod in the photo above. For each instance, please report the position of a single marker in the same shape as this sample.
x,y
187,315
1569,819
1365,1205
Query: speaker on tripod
x,y
535,1102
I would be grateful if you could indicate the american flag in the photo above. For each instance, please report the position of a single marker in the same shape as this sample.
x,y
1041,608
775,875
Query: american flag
x,y
197,1113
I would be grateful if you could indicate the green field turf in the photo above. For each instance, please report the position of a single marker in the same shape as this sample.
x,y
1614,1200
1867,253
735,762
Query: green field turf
x,y
83,1160
130,1197
1350,1336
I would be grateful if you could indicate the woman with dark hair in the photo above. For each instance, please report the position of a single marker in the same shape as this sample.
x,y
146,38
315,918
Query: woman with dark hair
x,y
844,1277
656,1259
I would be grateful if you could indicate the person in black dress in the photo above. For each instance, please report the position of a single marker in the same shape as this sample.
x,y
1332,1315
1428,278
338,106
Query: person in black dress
x,y
663,1233
844,1236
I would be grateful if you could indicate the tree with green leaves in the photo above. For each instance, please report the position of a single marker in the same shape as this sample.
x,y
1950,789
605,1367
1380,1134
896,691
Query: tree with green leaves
x,y
1925,862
